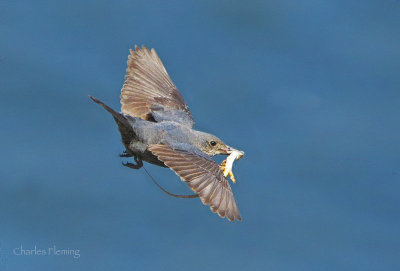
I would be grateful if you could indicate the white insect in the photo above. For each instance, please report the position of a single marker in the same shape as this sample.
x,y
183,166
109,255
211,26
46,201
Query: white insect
x,y
227,164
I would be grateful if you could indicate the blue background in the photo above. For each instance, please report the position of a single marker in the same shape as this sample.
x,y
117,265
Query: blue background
x,y
308,89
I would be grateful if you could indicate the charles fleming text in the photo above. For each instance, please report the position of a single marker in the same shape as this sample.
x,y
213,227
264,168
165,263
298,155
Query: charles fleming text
x,y
50,251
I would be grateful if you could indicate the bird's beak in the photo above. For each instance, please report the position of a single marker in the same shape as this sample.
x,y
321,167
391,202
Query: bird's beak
x,y
229,150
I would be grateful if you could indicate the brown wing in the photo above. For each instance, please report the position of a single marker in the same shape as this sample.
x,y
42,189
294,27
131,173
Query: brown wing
x,y
203,176
148,86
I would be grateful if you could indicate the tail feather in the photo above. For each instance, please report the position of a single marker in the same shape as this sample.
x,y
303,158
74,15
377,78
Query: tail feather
x,y
118,116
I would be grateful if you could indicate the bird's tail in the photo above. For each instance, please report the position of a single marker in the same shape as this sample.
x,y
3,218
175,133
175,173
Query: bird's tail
x,y
118,116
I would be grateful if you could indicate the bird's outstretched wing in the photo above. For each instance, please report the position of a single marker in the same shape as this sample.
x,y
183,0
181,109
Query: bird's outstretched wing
x,y
148,91
203,176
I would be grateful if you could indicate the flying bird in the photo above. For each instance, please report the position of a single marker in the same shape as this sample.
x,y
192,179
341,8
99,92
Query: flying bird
x,y
156,126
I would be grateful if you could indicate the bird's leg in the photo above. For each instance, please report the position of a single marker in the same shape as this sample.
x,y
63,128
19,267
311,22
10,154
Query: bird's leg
x,y
139,163
126,154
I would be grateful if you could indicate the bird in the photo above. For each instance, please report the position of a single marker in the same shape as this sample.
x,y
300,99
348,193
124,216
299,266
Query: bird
x,y
156,126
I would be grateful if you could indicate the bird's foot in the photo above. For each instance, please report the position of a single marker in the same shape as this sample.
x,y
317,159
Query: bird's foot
x,y
126,154
227,171
139,163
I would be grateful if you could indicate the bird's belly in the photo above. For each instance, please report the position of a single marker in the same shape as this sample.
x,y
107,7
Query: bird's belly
x,y
140,149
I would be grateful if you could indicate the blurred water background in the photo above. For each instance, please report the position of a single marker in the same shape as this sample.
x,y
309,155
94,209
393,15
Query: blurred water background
x,y
308,89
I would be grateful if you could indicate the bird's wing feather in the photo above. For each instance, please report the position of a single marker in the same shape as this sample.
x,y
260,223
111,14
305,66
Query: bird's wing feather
x,y
148,88
203,176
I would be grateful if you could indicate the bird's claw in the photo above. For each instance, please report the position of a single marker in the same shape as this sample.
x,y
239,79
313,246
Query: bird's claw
x,y
138,165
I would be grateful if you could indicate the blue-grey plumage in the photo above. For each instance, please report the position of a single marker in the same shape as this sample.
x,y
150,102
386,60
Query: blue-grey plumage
x,y
176,134
156,126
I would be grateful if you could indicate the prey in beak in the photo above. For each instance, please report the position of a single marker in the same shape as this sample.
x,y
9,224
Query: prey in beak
x,y
227,164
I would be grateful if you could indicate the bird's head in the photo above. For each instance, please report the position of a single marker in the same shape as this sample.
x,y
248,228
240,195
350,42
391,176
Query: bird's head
x,y
212,145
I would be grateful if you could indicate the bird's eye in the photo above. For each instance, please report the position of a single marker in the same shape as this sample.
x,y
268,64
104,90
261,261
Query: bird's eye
x,y
213,143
